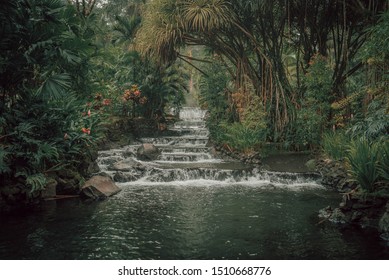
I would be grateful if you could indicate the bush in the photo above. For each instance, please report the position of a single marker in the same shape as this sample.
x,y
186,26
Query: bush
x,y
240,137
335,145
362,159
40,136
312,117
383,164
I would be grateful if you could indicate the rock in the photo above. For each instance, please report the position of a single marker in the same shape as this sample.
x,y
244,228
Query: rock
x,y
50,189
337,216
123,177
148,152
311,164
383,225
128,153
93,168
356,216
125,165
99,187
120,177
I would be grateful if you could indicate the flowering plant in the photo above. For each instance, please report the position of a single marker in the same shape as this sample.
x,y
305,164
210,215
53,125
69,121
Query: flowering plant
x,y
134,94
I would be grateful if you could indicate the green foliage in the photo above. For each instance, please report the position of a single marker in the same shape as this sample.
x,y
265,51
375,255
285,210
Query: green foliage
x,y
375,123
240,137
213,95
36,182
362,158
306,130
383,165
312,117
42,136
376,49
335,145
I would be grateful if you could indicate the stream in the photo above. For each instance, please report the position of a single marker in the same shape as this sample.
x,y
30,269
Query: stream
x,y
189,204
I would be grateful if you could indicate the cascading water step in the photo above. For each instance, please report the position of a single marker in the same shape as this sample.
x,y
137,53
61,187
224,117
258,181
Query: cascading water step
x,y
186,156
182,149
174,140
186,160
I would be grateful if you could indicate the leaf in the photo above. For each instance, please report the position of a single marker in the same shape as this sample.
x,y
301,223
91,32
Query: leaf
x,y
70,56
36,182
55,86
4,167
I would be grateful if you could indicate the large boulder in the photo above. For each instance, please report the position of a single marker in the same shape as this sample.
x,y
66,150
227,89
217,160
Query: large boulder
x,y
99,187
148,152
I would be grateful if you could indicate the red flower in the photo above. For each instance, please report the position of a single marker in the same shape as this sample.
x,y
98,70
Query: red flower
x,y
106,102
85,130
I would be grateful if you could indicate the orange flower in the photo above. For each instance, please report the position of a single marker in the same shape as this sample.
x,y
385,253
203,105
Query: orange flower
x,y
85,130
137,93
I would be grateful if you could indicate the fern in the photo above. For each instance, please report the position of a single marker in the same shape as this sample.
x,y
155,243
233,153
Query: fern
x,y
36,182
46,153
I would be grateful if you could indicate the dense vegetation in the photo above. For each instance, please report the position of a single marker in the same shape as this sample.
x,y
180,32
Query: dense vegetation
x,y
301,75
68,70
298,75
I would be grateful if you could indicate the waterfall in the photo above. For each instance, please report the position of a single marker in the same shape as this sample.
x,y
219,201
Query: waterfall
x,y
186,159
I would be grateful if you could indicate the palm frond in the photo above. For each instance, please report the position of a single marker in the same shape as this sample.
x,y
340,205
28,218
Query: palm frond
x,y
55,86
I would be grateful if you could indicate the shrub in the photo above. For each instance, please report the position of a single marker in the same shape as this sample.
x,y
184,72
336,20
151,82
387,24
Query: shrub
x,y
40,136
240,137
362,159
335,144
383,164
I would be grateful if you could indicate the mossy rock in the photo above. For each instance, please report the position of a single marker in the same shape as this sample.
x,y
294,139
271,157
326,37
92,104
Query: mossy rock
x,y
311,164
69,182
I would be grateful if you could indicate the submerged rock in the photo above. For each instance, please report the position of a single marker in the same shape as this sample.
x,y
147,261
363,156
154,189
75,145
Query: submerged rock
x,y
99,187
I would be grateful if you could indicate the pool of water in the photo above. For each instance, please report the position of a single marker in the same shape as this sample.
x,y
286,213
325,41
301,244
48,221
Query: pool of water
x,y
188,222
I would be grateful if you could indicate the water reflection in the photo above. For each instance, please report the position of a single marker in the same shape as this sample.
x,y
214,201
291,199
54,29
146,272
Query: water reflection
x,y
164,222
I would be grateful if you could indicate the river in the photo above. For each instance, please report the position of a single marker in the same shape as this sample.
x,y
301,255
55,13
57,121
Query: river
x,y
188,204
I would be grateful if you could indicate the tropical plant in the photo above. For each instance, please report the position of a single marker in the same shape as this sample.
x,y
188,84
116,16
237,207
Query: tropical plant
x,y
335,144
45,125
362,158
238,137
383,165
